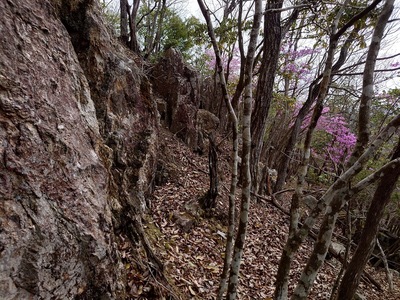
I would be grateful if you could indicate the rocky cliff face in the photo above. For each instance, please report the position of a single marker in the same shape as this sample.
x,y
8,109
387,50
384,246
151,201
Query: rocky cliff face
x,y
182,95
77,139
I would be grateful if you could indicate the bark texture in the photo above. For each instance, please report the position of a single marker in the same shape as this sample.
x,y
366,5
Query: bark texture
x,y
134,44
246,153
123,6
319,91
383,192
337,192
76,162
341,194
265,84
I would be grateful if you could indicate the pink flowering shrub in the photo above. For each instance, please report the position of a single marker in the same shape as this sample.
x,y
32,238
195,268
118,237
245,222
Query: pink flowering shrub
x,y
234,64
342,140
333,139
295,63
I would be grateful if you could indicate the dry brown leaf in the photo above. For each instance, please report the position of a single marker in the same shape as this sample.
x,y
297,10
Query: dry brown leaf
x,y
192,291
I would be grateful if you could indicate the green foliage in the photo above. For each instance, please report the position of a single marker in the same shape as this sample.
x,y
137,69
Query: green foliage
x,y
282,102
227,32
384,107
318,178
326,13
183,35
174,31
197,31
201,61
111,15
153,20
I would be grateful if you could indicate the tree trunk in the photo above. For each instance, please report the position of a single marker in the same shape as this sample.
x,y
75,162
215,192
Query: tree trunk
x,y
293,241
124,20
235,142
134,45
296,236
366,244
389,275
240,84
231,217
294,133
313,93
318,255
264,92
368,82
246,149
341,196
213,169
153,24
157,38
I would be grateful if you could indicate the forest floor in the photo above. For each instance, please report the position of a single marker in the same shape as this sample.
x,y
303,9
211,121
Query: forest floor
x,y
191,242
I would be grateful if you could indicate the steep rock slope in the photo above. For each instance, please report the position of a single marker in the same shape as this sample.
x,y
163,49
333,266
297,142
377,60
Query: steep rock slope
x,y
77,148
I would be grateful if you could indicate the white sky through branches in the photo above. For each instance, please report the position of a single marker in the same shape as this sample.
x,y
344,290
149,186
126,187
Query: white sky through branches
x,y
390,47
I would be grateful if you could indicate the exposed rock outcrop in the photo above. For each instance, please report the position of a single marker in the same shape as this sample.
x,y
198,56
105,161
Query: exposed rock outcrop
x,y
125,109
78,139
178,87
181,95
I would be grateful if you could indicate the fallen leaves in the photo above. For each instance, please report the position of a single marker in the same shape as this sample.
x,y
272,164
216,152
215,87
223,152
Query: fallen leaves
x,y
194,260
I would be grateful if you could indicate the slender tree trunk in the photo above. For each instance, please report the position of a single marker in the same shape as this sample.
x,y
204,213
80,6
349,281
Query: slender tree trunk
x,y
124,20
134,45
265,84
384,190
317,257
313,93
341,196
294,133
381,199
368,82
157,39
293,241
284,266
234,121
240,85
389,275
213,167
209,200
246,152
296,235
231,224
153,25
346,254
